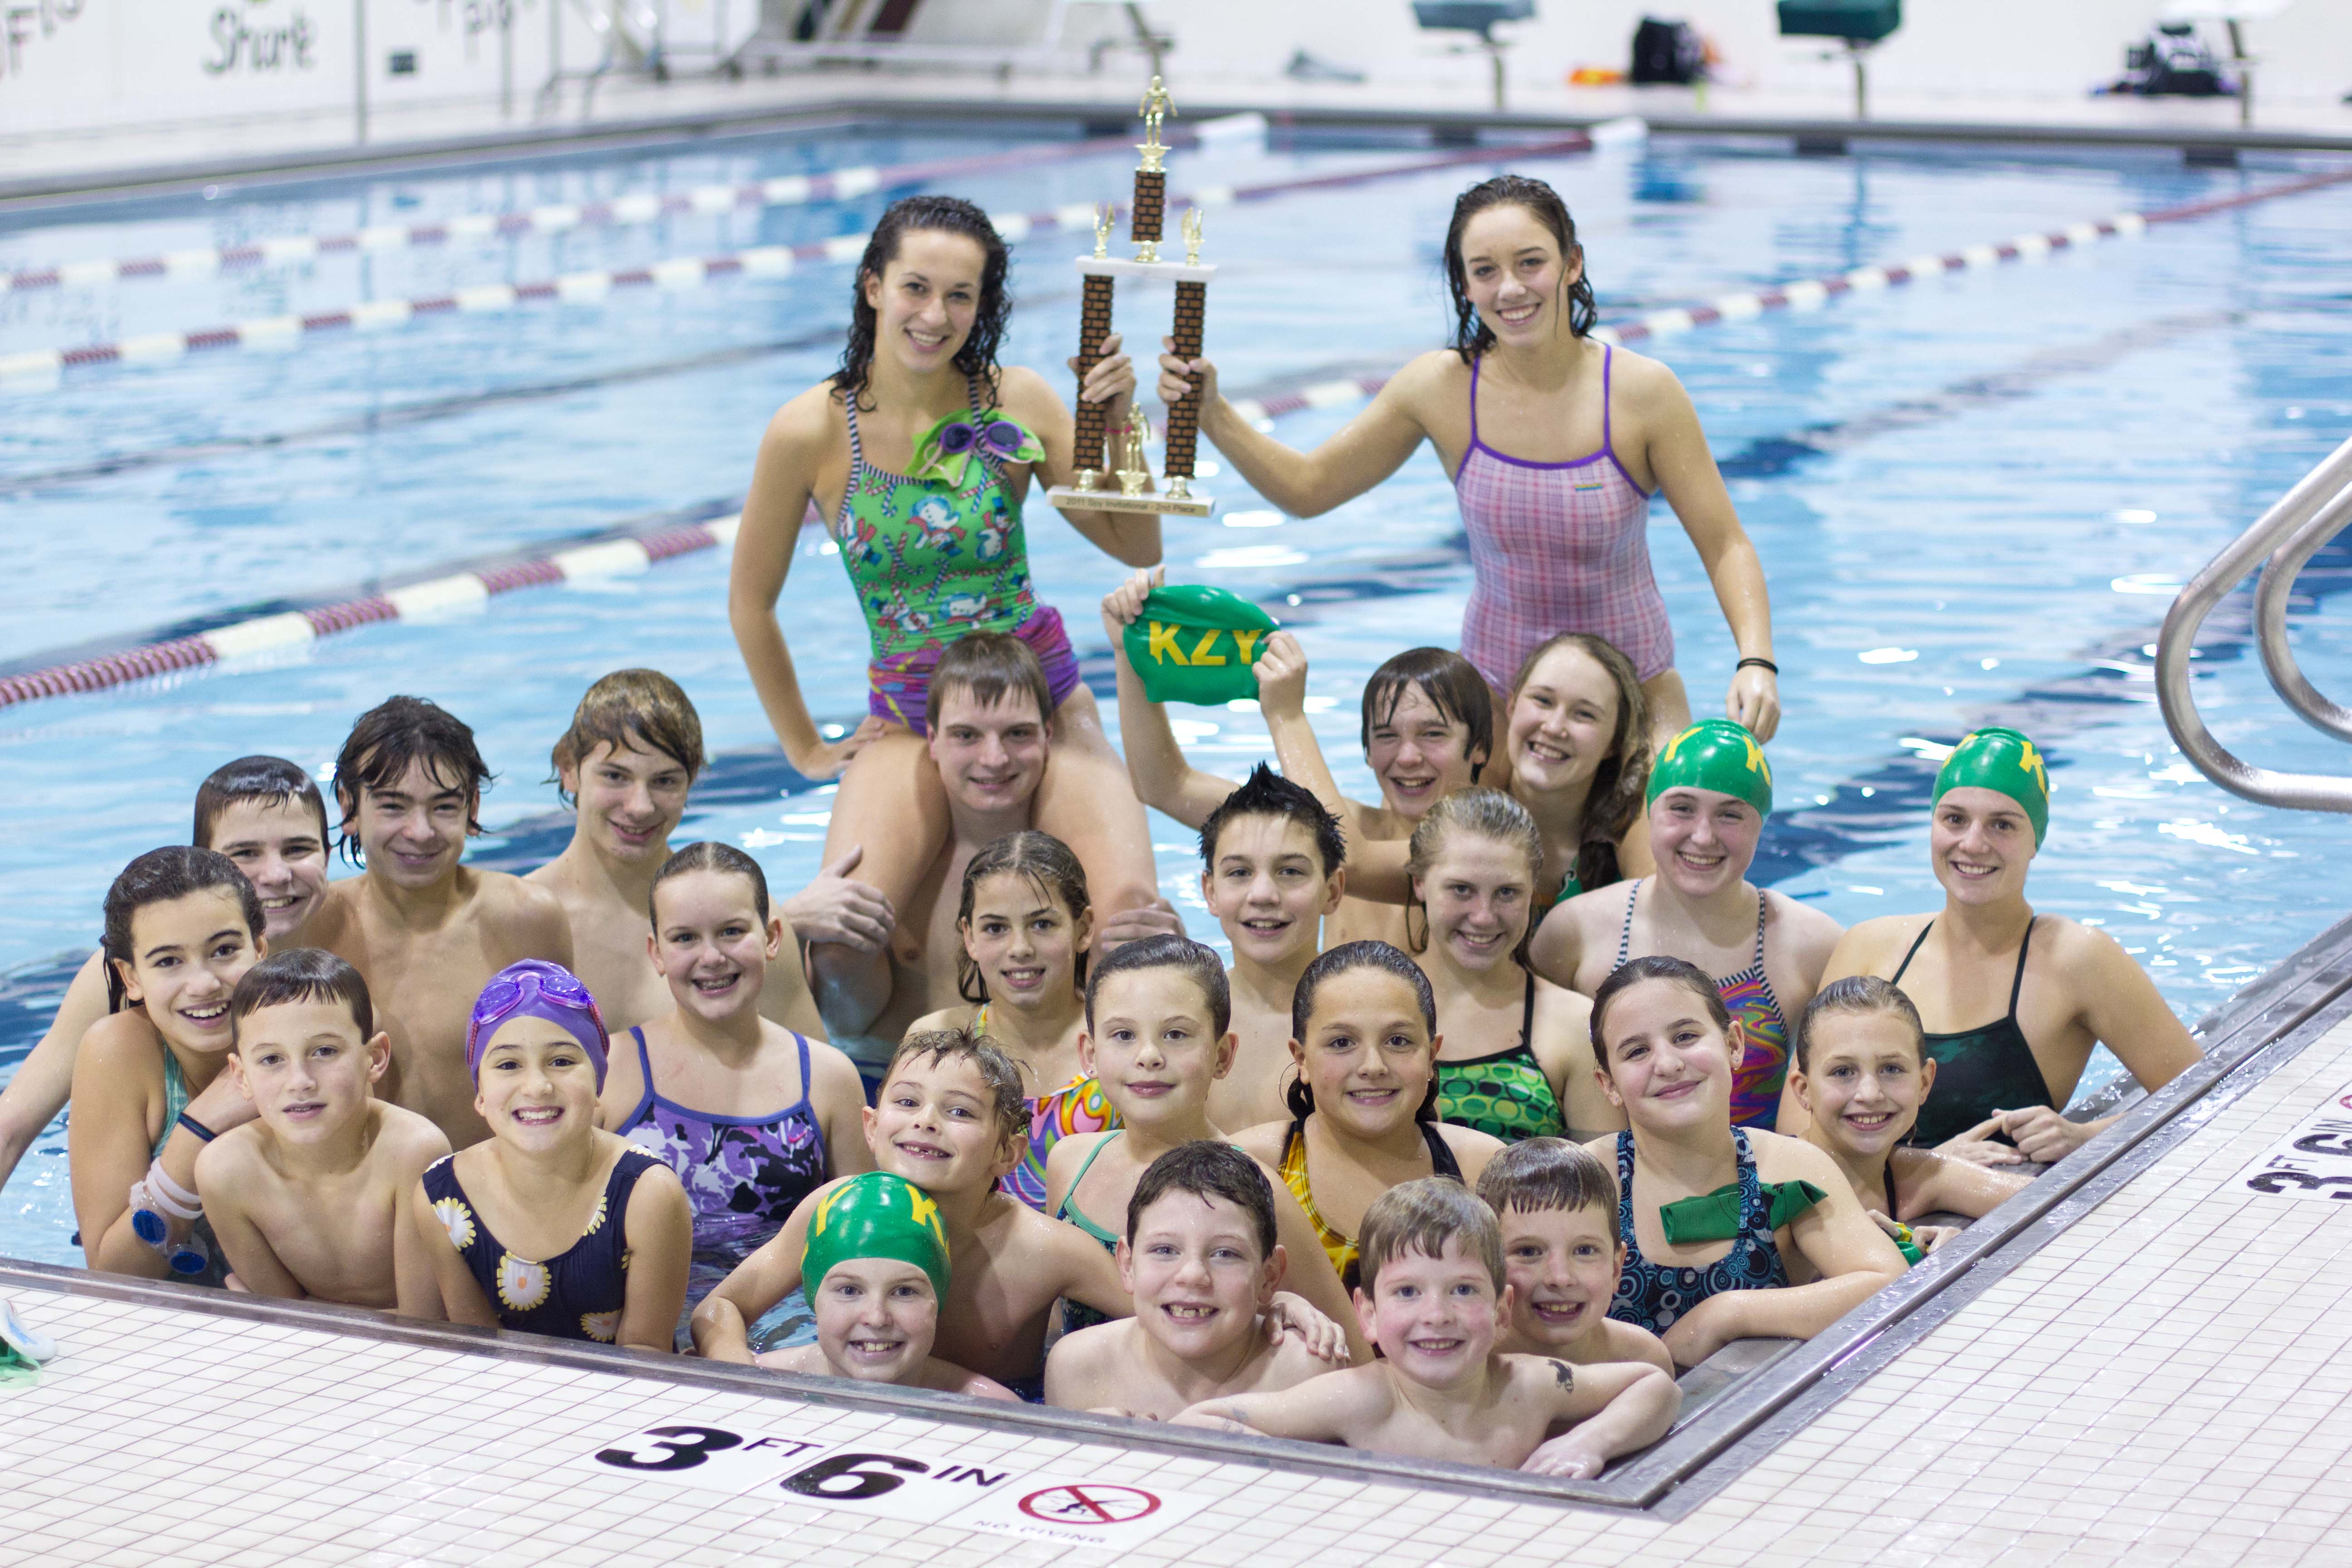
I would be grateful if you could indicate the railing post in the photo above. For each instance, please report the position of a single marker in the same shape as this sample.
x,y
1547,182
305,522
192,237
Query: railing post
x,y
359,74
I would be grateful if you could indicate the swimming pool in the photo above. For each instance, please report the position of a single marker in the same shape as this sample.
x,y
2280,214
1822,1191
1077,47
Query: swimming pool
x,y
1974,498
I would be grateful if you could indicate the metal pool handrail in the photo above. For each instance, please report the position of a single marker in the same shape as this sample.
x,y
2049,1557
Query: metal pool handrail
x,y
2289,533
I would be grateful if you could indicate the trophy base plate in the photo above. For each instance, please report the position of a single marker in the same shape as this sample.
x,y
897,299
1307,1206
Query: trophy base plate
x,y
1069,498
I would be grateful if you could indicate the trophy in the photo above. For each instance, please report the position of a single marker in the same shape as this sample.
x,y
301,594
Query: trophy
x,y
1122,483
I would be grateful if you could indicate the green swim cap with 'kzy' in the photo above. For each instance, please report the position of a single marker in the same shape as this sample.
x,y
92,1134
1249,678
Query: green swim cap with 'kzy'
x,y
877,1214
2004,761
1195,644
1716,754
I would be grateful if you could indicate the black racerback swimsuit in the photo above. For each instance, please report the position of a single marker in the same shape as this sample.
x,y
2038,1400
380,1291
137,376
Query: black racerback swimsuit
x,y
1979,1070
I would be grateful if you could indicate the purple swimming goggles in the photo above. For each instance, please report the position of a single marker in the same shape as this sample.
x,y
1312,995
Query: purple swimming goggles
x,y
535,988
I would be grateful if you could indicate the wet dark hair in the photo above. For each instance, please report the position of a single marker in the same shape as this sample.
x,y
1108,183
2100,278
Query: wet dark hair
x,y
1453,686
391,736
157,878
996,1069
1538,1174
272,781
992,667
940,214
1620,784
1341,960
1208,1169
1658,966
1473,337
629,710
1859,993
711,855
304,974
1051,867
1170,951
1268,794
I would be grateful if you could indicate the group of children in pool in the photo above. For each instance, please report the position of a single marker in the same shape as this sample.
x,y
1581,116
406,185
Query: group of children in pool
x,y
1516,1096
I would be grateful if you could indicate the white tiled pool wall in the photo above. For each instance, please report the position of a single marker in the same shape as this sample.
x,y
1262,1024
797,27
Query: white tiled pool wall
x,y
2162,1382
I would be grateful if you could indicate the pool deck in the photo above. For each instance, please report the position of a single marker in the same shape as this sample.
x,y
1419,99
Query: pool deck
x,y
2155,1374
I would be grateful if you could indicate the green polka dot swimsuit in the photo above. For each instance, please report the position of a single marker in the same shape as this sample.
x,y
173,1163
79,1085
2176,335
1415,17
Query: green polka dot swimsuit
x,y
1506,1094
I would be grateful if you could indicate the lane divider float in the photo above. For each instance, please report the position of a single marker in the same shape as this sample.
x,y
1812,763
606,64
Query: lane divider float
x,y
44,365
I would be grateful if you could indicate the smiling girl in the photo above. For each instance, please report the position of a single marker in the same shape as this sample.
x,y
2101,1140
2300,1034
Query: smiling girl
x,y
549,1225
1710,1212
1555,446
916,454
1518,1057
1709,793
701,1089
1363,1109
2069,987
1024,924
183,925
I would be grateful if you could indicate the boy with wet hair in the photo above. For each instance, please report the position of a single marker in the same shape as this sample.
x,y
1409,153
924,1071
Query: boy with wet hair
x,y
306,1199
427,930
876,1264
1273,867
990,735
1556,1204
633,750
1433,1298
266,815
1200,1259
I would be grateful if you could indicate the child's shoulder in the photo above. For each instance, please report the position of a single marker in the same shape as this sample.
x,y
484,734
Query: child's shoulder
x,y
1290,1364
1779,1157
235,1161
1534,1375
959,1016
1631,1342
1264,1143
404,1141
121,1039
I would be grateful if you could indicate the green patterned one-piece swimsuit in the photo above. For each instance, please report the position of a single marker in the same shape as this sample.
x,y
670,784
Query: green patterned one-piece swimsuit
x,y
1506,1094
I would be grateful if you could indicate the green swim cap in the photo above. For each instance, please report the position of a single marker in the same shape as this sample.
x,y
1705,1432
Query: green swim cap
x,y
1195,644
877,1214
2005,761
1716,754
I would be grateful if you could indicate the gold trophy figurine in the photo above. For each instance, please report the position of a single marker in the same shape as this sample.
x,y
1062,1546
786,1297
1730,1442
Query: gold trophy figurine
x,y
1135,469
1106,214
1191,236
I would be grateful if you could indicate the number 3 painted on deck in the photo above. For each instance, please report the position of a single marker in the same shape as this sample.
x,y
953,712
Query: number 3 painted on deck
x,y
708,1440
812,1482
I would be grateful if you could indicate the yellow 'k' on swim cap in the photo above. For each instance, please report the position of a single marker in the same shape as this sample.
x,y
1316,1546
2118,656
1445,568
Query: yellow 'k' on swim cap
x,y
877,1214
2004,761
1716,754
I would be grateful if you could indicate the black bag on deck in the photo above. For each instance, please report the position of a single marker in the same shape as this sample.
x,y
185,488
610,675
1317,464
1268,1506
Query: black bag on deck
x,y
1667,52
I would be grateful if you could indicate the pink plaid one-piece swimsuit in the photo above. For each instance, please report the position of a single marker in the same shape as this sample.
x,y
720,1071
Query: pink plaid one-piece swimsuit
x,y
1557,547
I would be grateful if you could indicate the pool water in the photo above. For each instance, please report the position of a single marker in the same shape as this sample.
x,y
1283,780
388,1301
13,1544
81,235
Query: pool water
x,y
1974,498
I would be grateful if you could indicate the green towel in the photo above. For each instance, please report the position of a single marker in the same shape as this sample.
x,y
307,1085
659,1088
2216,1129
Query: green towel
x,y
1194,644
1714,1216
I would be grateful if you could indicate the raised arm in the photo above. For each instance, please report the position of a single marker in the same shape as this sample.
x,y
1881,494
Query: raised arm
x,y
1130,537
1376,867
1685,470
1617,1407
1156,765
44,1082
1366,451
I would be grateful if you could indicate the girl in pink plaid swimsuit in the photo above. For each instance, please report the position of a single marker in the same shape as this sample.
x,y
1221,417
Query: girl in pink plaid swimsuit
x,y
1555,449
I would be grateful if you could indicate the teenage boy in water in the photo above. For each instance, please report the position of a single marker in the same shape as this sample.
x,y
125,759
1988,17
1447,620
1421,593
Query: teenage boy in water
x,y
1273,869
1556,1204
1200,1258
876,1267
263,812
427,932
1433,1298
634,750
989,737
305,1200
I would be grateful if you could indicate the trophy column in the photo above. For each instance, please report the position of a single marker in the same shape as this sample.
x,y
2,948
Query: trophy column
x,y
1094,326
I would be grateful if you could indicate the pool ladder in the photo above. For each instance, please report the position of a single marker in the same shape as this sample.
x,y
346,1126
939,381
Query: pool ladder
x,y
2294,530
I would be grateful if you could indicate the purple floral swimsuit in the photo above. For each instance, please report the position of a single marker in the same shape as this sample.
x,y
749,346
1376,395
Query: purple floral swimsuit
x,y
743,1174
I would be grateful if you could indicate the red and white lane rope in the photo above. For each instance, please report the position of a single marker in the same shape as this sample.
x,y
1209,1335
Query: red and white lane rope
x,y
691,272
642,207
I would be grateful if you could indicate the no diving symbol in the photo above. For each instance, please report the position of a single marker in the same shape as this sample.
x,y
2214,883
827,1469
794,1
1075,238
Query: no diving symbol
x,y
1090,1503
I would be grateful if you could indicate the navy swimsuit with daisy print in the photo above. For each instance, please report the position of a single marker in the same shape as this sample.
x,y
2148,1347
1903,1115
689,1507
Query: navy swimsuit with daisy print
x,y
575,1296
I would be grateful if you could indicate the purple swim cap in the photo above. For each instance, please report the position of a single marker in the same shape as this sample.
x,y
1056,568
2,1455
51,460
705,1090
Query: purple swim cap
x,y
535,988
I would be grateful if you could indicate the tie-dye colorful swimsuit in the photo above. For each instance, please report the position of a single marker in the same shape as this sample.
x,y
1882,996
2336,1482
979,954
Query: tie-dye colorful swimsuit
x,y
932,560
1746,996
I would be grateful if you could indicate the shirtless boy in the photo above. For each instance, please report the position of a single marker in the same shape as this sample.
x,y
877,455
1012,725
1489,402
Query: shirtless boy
x,y
305,1200
266,816
1200,1258
877,1262
1434,1299
1272,869
425,932
634,750
990,737
1557,1206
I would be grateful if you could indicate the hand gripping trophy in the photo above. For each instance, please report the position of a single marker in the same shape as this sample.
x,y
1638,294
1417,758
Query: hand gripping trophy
x,y
1129,467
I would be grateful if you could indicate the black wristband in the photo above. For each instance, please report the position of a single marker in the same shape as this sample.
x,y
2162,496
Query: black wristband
x,y
196,1127
1759,663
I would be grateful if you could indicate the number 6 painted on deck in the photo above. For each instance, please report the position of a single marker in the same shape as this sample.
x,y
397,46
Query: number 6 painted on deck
x,y
811,1482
